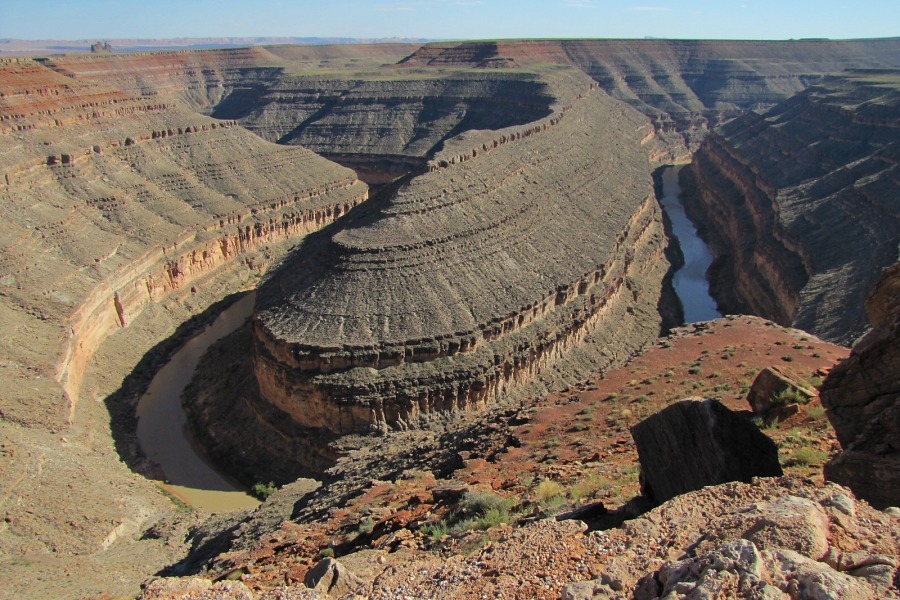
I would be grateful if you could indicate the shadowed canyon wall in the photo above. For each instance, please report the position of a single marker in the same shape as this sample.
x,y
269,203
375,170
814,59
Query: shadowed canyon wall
x,y
801,204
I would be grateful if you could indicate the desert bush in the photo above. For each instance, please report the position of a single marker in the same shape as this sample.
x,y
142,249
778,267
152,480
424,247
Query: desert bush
x,y
788,396
479,502
263,490
816,412
492,518
436,531
588,486
547,489
366,526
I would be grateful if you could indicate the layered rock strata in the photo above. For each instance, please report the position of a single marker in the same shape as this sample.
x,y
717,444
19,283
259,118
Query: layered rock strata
x,y
684,86
116,205
128,201
862,396
470,280
801,205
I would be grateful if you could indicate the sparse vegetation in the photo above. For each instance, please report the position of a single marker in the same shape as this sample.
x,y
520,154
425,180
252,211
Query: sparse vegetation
x,y
788,396
366,526
263,490
815,412
436,531
589,486
546,490
807,456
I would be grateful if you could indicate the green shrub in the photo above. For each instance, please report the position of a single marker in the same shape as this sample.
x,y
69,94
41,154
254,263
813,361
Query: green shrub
x,y
788,396
263,490
436,531
492,518
366,526
479,502
588,486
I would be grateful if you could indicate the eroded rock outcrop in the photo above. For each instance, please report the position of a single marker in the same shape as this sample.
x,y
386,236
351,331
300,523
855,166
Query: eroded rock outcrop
x,y
799,205
470,280
862,396
696,443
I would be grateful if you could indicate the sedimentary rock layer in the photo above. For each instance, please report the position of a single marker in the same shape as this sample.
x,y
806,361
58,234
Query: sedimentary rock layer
x,y
686,86
471,279
116,206
336,101
124,200
801,204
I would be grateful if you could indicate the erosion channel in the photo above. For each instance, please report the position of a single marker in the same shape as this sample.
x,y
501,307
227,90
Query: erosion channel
x,y
163,431
689,281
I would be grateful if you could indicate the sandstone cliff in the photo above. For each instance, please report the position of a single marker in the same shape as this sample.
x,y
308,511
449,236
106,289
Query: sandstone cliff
x,y
800,204
471,279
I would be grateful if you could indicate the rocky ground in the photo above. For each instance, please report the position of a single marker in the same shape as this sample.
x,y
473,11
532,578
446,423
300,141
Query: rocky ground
x,y
473,516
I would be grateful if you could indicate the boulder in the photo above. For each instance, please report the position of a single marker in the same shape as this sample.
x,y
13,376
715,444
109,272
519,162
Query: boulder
x,y
772,384
696,443
862,399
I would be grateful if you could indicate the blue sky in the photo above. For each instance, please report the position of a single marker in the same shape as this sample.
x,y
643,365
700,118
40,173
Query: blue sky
x,y
449,19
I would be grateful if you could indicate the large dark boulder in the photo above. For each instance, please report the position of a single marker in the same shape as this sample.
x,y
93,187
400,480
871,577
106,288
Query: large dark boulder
x,y
862,397
696,443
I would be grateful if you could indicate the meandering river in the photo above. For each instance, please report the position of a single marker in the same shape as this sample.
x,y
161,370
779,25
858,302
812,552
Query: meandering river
x,y
162,426
163,429
690,280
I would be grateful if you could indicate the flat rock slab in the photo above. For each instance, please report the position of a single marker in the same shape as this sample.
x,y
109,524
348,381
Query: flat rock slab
x,y
696,443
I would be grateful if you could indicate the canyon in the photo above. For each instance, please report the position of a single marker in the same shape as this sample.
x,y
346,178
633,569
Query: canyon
x,y
800,204
512,244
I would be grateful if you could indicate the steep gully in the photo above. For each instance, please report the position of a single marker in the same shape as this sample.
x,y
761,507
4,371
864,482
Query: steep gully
x,y
165,436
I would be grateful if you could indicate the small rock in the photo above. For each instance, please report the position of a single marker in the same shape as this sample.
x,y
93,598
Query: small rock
x,y
333,578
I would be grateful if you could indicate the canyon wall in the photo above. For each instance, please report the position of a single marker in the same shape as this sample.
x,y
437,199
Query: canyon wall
x,y
472,278
686,87
122,213
800,204
381,108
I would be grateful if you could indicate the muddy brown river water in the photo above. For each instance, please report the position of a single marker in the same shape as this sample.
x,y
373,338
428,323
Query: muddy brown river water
x,y
163,429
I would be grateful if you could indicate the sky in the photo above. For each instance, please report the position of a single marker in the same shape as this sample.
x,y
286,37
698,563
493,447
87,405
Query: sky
x,y
450,19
